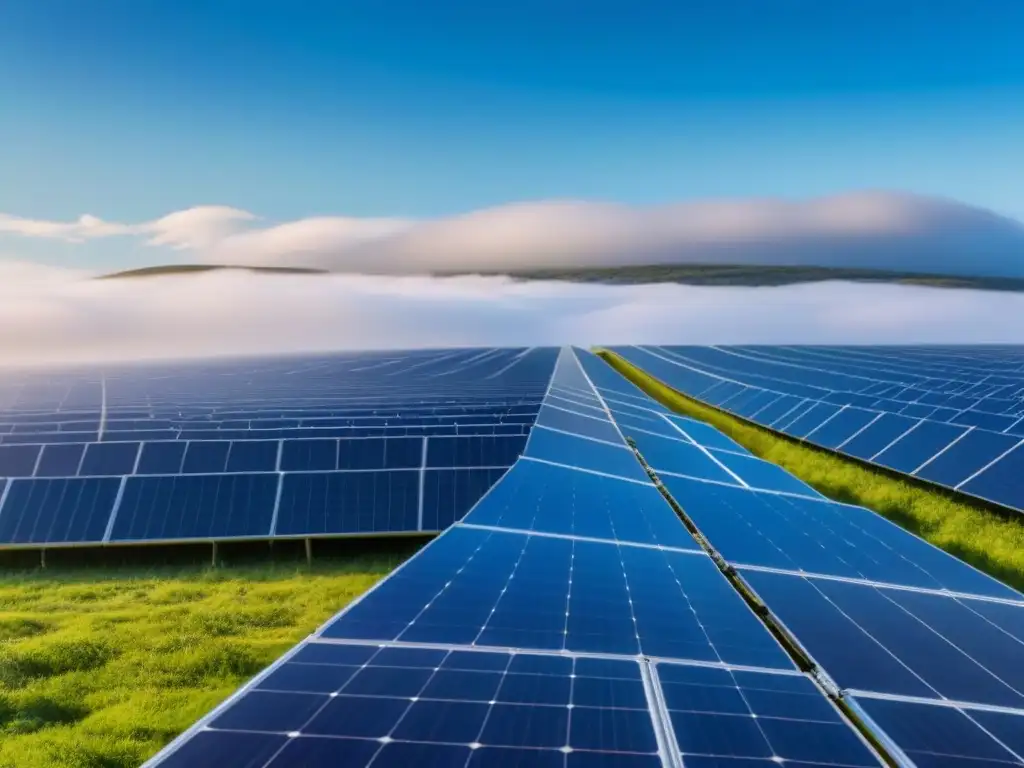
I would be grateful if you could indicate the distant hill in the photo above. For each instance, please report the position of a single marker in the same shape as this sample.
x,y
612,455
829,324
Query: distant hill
x,y
185,269
717,274
688,274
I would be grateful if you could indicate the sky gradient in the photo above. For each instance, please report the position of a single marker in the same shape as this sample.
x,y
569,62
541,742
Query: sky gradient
x,y
131,109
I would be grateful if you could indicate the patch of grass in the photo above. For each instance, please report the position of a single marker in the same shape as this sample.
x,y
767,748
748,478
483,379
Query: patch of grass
x,y
100,669
987,540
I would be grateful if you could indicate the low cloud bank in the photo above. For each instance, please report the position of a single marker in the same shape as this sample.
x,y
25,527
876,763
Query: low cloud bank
x,y
49,316
872,230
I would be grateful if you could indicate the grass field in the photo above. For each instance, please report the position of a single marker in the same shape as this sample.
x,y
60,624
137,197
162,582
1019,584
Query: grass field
x,y
989,541
99,669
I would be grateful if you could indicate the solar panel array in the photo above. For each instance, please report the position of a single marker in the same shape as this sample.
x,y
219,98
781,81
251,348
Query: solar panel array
x,y
953,416
568,620
393,442
928,649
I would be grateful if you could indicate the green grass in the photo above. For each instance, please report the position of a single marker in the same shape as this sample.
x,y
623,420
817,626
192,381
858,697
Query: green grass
x,y
101,669
990,541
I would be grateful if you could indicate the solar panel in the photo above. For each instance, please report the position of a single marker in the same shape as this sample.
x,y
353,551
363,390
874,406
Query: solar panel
x,y
950,415
933,734
547,628
224,449
898,627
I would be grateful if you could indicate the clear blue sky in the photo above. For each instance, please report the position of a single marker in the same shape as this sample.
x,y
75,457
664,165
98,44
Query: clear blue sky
x,y
129,109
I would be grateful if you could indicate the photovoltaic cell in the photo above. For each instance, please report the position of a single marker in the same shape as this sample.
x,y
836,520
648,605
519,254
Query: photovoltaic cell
x,y
763,474
724,717
18,460
918,446
667,454
348,502
60,460
109,459
584,424
161,458
550,499
878,436
57,510
1003,482
448,494
196,506
973,452
561,448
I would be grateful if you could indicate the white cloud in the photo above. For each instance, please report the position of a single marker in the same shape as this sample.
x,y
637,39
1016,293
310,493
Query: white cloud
x,y
870,229
52,317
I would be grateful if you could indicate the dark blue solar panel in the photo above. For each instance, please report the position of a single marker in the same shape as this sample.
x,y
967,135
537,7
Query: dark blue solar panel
x,y
579,423
448,494
161,458
763,474
109,459
841,427
18,460
348,502
918,446
583,452
975,450
749,719
380,453
928,397
706,435
309,455
895,641
812,419
206,456
822,537
479,451
57,510
196,506
933,735
353,705
550,499
253,456
1003,482
671,455
60,460
878,436
622,600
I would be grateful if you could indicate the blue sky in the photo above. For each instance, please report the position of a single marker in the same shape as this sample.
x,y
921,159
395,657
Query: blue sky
x,y
130,109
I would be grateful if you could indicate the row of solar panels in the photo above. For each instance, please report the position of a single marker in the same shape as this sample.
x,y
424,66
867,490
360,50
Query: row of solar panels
x,y
329,382
266,418
165,491
966,458
570,620
968,381
82,511
923,646
177,457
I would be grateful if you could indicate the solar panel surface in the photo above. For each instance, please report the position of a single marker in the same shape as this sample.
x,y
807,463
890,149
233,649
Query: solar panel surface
x,y
561,623
345,444
950,415
898,626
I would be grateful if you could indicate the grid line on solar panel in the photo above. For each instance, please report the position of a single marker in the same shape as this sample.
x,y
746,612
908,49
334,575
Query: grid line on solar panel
x,y
586,470
881,584
578,537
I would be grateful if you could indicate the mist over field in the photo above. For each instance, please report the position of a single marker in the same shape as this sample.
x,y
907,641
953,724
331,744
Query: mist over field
x,y
870,230
51,315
